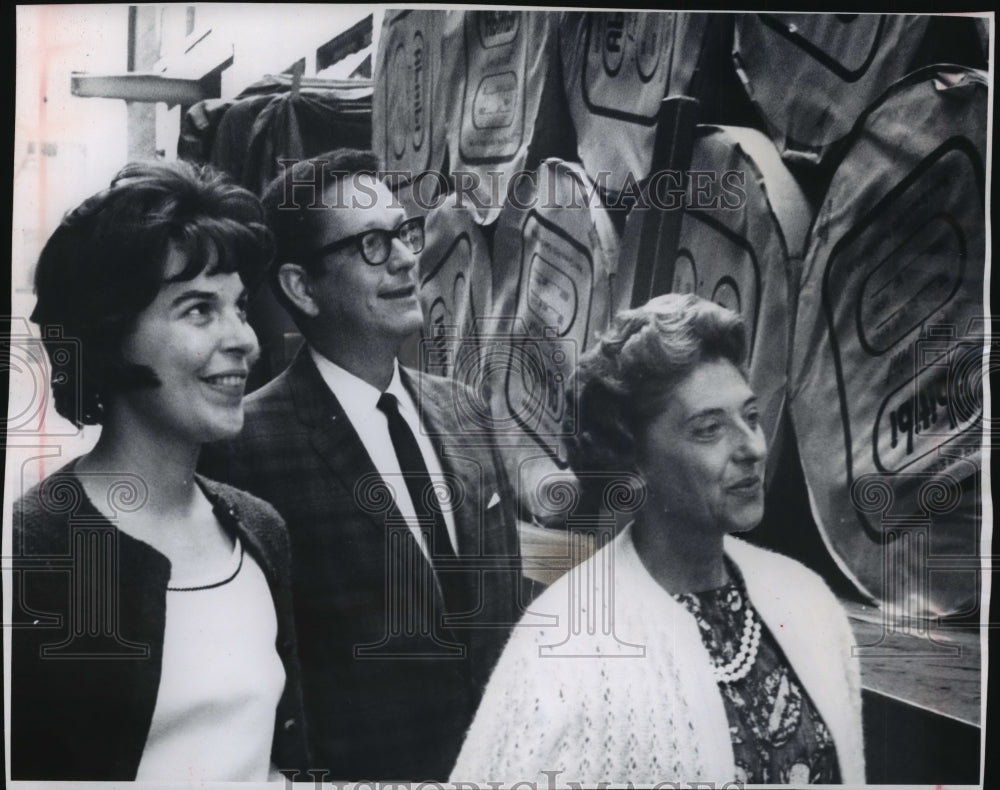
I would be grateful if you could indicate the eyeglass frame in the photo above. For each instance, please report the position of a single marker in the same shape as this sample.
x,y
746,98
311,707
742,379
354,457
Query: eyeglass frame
x,y
357,238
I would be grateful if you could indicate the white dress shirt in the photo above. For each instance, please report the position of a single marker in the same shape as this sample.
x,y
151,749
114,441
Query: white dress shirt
x,y
359,399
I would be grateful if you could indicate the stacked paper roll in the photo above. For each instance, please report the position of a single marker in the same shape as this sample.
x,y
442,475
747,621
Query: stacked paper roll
x,y
455,290
408,125
886,375
813,75
505,100
555,256
617,68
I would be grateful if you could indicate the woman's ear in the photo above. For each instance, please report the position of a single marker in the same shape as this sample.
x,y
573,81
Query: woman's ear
x,y
294,280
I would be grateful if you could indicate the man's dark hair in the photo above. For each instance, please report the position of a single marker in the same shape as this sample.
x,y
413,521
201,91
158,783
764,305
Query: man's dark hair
x,y
293,201
104,265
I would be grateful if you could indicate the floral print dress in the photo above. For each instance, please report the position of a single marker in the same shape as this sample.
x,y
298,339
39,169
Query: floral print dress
x,y
778,735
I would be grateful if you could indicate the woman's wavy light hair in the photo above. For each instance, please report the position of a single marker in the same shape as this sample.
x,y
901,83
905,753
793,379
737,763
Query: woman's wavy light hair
x,y
623,381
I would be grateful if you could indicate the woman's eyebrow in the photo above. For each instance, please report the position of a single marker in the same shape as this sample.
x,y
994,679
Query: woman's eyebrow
x,y
701,413
192,295
718,410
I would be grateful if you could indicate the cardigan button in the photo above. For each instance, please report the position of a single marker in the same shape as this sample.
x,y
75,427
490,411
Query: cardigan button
x,y
289,725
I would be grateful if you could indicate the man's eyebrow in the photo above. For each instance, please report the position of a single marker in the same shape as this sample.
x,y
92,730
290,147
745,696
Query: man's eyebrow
x,y
377,225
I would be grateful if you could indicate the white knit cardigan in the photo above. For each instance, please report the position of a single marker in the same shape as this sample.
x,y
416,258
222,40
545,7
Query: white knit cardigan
x,y
606,678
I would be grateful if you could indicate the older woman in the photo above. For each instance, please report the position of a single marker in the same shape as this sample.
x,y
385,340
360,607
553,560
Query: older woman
x,y
678,652
155,637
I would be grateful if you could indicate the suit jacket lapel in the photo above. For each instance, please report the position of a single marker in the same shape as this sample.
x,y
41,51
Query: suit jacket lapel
x,y
338,444
332,434
440,423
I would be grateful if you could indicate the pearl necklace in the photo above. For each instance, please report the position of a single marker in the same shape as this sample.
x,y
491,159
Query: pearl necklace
x,y
740,666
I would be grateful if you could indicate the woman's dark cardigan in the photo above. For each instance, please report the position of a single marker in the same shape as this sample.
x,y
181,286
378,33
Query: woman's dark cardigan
x,y
89,607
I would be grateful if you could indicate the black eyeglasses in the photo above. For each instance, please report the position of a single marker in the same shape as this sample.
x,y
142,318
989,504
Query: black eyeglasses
x,y
375,245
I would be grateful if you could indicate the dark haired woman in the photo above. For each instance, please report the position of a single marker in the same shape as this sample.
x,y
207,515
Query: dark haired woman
x,y
678,653
157,640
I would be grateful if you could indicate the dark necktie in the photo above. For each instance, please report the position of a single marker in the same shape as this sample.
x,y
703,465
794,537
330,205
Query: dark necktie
x,y
418,481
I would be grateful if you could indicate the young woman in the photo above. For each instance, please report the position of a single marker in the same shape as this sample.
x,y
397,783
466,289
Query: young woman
x,y
155,638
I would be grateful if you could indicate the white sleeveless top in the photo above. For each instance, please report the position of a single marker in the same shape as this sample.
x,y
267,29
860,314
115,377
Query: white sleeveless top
x,y
221,679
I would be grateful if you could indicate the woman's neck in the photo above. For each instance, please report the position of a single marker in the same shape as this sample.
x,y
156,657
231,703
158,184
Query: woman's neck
x,y
165,468
680,557
172,515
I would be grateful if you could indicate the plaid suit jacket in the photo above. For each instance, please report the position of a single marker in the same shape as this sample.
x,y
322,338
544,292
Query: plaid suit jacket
x,y
390,681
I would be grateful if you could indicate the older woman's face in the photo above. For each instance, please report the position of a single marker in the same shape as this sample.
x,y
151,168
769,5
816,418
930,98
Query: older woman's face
x,y
703,455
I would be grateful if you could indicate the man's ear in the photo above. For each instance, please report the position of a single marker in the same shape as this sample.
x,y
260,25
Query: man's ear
x,y
295,283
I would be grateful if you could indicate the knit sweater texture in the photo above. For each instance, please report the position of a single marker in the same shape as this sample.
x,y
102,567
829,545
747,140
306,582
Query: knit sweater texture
x,y
607,679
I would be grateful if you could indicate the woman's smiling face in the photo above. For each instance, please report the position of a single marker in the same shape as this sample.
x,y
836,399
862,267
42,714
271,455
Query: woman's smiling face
x,y
703,455
196,339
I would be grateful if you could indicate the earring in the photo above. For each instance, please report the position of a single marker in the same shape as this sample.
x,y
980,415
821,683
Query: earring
x,y
95,409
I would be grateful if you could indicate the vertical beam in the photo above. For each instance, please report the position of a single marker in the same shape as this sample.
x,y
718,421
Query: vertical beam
x,y
143,52
660,230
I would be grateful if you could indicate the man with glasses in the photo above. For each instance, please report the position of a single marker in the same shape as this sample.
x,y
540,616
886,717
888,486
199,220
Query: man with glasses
x,y
405,555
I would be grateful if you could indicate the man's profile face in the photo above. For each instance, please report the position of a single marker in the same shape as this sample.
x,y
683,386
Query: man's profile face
x,y
355,299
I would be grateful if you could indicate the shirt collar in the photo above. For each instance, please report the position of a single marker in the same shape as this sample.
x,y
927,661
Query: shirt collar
x,y
396,388
357,397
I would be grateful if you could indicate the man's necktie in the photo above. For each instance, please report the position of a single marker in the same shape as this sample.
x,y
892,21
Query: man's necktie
x,y
418,481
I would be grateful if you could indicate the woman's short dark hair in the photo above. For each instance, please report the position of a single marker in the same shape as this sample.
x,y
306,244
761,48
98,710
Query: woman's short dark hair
x,y
105,263
622,382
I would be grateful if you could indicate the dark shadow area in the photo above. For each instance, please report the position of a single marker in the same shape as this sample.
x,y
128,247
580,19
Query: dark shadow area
x,y
905,744
788,526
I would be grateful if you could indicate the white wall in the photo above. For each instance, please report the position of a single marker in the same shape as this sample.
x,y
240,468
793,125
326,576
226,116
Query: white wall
x,y
65,149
